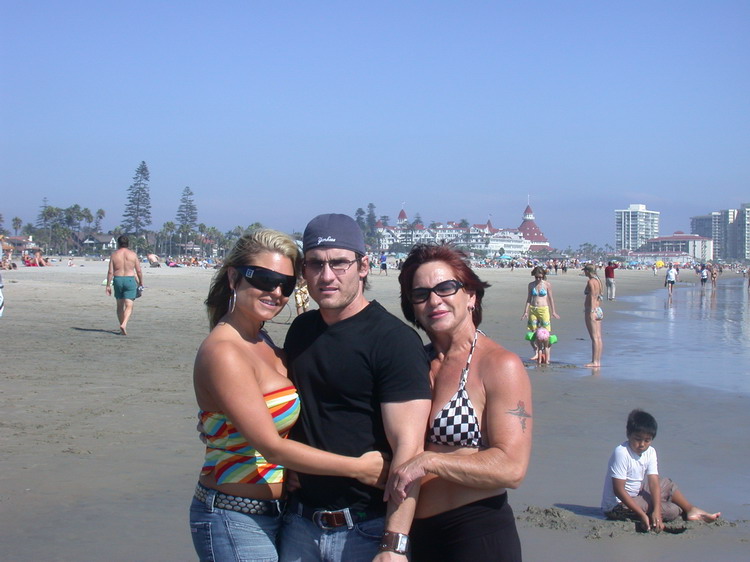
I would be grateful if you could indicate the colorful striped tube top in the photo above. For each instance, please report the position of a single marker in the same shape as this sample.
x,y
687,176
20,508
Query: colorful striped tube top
x,y
230,457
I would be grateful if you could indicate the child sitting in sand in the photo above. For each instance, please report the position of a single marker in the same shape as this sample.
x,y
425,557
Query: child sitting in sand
x,y
633,472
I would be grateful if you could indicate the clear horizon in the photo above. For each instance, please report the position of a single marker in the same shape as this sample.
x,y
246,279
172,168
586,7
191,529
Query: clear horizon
x,y
276,113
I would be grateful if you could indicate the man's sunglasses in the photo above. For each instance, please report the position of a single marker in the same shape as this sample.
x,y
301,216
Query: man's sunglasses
x,y
444,289
267,280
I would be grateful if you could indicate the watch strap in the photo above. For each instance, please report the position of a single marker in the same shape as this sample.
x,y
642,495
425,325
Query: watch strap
x,y
394,542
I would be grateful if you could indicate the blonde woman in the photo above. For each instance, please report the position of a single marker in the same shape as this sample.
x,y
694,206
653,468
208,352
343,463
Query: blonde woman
x,y
593,314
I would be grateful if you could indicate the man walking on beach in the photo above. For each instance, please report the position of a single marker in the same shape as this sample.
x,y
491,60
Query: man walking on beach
x,y
125,276
363,378
609,276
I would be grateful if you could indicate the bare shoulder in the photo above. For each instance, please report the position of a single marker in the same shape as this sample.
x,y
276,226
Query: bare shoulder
x,y
219,354
497,363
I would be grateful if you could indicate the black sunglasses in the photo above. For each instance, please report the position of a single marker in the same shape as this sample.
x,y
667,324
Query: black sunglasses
x,y
444,289
267,280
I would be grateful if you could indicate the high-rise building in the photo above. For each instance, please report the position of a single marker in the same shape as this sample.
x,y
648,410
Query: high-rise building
x,y
741,238
702,226
721,232
730,231
635,225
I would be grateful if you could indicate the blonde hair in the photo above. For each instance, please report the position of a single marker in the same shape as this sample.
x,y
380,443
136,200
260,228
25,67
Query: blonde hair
x,y
242,253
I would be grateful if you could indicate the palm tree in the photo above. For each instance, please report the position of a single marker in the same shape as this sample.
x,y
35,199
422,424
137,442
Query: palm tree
x,y
202,235
169,229
100,214
88,218
17,223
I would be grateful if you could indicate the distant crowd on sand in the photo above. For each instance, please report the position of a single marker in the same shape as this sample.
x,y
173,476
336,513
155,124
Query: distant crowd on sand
x,y
185,261
32,258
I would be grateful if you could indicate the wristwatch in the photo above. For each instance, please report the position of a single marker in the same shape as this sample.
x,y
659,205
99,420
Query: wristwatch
x,y
394,542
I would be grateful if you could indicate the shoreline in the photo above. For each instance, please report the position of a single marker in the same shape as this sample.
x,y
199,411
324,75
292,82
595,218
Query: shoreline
x,y
101,453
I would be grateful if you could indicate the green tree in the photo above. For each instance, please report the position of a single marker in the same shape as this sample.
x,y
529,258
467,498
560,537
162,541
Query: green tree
x,y
233,235
16,222
137,213
371,220
100,214
88,218
418,220
169,229
187,212
385,219
359,216
46,220
215,241
73,217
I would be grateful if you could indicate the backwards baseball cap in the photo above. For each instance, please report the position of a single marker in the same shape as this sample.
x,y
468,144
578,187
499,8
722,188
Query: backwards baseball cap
x,y
333,231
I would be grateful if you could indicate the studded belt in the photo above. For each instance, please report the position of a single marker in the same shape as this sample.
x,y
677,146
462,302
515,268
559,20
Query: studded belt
x,y
238,503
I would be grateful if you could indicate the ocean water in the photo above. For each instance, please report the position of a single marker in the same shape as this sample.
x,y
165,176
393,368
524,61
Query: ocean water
x,y
699,337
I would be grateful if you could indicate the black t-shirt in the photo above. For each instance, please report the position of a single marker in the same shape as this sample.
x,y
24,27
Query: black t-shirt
x,y
343,373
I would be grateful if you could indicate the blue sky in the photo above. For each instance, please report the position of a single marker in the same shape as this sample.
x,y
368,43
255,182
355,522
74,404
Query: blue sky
x,y
277,111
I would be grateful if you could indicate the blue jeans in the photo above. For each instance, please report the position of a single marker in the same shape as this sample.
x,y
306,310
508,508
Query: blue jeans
x,y
220,535
303,541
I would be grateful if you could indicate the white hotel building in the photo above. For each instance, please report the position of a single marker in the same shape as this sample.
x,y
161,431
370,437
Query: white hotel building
x,y
634,226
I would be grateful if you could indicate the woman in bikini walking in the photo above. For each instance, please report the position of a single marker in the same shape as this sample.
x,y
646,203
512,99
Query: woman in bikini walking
x,y
540,307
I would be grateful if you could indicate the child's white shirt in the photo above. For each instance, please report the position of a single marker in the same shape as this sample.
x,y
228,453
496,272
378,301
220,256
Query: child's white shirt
x,y
626,465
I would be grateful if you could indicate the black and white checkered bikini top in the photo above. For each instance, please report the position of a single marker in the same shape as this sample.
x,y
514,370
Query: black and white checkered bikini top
x,y
456,423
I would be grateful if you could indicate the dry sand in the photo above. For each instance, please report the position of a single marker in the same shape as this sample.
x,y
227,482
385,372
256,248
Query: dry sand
x,y
100,454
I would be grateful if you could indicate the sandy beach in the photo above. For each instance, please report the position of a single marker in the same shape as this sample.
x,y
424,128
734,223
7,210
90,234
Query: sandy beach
x,y
100,453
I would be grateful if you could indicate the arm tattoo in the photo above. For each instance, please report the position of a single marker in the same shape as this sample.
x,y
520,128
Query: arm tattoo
x,y
522,414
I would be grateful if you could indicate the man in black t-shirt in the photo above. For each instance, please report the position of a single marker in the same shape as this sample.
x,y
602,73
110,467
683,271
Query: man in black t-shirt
x,y
363,378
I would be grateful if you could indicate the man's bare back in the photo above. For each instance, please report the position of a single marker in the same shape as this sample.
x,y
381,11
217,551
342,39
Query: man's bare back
x,y
124,262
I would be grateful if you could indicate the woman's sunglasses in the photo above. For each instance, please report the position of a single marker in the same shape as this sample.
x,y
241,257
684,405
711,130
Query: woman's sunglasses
x,y
267,280
444,289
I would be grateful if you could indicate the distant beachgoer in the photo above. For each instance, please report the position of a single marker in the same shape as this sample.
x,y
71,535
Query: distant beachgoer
x,y
703,275
2,299
633,477
301,296
540,306
124,274
383,264
593,314
671,278
609,278
714,275
39,260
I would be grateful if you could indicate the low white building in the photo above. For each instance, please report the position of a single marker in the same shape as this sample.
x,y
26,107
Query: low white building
x,y
699,248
